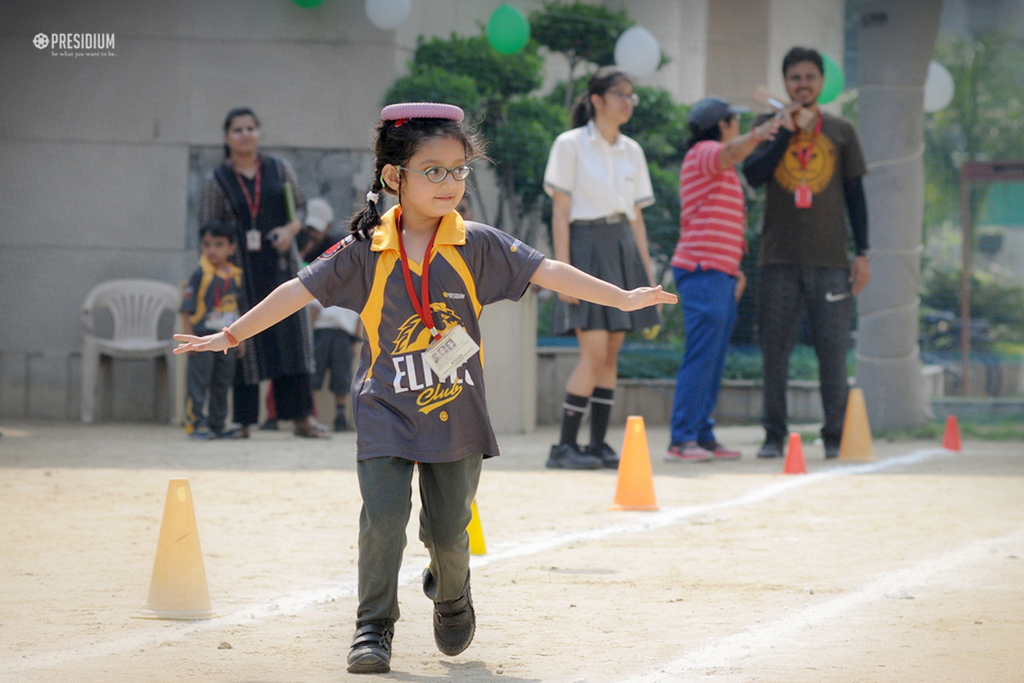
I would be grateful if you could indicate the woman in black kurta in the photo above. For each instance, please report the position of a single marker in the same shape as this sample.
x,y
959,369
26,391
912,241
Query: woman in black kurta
x,y
248,189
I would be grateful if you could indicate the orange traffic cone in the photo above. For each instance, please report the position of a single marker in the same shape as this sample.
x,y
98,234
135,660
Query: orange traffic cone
x,y
855,445
477,546
635,488
951,439
795,456
178,588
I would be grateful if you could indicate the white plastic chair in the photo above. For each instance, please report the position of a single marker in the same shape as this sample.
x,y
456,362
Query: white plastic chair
x,y
136,307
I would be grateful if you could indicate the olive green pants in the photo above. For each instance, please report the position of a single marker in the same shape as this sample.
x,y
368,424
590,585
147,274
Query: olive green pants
x,y
446,493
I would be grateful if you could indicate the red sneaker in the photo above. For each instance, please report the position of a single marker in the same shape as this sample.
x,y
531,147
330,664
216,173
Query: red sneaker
x,y
720,452
688,452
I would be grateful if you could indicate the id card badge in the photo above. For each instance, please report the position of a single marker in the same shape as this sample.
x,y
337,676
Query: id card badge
x,y
802,197
253,240
449,352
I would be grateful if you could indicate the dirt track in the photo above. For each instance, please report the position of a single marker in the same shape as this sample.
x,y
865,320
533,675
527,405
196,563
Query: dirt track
x,y
907,569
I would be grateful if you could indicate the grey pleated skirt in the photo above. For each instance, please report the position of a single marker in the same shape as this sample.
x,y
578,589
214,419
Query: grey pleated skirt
x,y
606,251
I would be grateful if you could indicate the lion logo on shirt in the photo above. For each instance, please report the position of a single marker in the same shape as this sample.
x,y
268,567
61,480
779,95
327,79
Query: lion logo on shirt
x,y
820,167
413,336
412,373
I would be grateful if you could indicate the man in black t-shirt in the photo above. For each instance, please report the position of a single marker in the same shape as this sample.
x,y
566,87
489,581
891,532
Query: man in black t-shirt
x,y
814,178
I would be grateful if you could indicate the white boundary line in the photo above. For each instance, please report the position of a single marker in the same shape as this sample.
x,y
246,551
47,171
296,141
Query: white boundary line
x,y
295,603
729,650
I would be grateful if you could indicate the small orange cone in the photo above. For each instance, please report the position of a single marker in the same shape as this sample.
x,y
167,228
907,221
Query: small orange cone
x,y
951,439
855,445
178,588
477,546
635,488
795,456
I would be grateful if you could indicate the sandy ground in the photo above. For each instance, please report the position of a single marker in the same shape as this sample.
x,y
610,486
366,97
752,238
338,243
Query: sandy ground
x,y
907,569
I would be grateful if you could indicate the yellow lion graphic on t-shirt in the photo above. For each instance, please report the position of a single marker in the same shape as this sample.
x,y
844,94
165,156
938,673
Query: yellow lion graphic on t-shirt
x,y
413,336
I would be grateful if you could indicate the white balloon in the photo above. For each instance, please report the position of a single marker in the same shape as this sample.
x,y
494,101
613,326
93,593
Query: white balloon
x,y
938,88
637,51
387,15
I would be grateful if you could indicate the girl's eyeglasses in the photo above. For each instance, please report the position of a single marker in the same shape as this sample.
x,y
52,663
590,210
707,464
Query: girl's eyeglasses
x,y
437,174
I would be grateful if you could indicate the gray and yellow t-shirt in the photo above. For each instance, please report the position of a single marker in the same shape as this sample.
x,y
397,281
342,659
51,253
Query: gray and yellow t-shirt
x,y
815,236
401,407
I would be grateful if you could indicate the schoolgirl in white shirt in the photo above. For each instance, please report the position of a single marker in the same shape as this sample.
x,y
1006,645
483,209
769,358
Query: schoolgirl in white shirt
x,y
598,181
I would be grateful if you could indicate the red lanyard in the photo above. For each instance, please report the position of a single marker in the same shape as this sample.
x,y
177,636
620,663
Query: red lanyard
x,y
254,204
803,154
422,308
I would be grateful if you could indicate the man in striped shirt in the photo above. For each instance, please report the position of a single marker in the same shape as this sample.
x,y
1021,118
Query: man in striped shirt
x,y
706,267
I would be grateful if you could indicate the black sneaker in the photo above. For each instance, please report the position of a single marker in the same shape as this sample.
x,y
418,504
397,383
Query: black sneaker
x,y
454,624
269,426
831,450
371,650
770,449
609,458
340,423
567,456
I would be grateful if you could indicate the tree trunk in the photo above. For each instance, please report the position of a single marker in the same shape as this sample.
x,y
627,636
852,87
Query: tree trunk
x,y
896,42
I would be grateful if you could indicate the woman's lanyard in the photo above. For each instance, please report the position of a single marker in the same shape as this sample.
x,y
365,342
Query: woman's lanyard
x,y
253,203
422,308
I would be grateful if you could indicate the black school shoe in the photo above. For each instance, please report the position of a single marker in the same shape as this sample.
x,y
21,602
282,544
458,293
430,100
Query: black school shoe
x,y
609,458
454,624
567,456
770,449
371,650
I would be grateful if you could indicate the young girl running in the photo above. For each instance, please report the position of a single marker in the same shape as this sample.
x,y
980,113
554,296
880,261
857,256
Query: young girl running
x,y
419,276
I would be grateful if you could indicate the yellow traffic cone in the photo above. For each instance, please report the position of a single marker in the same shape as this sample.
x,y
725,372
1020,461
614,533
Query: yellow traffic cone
x,y
635,487
178,588
855,445
477,546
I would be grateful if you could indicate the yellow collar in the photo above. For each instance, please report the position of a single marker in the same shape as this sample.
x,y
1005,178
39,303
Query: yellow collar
x,y
451,231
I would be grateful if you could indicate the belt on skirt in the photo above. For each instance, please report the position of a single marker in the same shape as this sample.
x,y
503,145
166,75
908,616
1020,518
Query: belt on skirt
x,y
614,219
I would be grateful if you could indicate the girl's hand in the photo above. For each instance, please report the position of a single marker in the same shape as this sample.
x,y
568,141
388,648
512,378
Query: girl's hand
x,y
211,342
642,297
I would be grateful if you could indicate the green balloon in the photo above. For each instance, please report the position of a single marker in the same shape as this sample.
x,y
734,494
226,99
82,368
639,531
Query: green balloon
x,y
308,3
835,80
508,30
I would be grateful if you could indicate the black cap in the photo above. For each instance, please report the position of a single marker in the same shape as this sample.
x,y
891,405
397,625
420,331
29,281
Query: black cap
x,y
709,111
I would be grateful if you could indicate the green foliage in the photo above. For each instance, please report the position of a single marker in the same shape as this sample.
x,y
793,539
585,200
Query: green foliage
x,y
522,145
435,84
999,303
659,125
985,120
581,31
498,77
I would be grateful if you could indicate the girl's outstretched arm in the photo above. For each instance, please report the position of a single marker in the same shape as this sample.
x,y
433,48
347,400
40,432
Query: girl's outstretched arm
x,y
279,304
561,277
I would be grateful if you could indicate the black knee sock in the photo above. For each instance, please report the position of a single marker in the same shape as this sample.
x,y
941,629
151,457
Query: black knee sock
x,y
601,402
572,414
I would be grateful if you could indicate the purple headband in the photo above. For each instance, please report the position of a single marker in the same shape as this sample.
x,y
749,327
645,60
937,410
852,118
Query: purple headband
x,y
400,113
